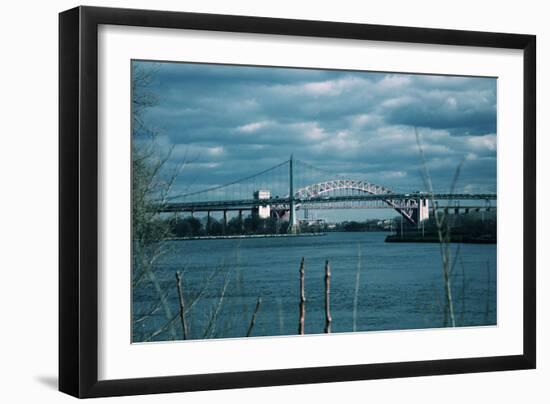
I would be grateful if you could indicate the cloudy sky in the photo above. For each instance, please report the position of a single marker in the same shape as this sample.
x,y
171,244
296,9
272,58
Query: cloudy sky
x,y
233,121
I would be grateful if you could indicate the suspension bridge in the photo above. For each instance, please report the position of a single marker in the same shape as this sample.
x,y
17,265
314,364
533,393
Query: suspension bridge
x,y
280,191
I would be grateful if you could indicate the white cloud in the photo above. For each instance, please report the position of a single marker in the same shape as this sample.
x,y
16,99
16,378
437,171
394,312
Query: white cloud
x,y
397,102
215,151
332,87
322,88
369,120
196,153
393,174
253,127
392,81
451,102
486,142
310,130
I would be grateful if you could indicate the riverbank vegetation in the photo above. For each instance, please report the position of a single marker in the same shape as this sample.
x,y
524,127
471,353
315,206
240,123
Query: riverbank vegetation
x,y
464,227
200,226
475,227
191,226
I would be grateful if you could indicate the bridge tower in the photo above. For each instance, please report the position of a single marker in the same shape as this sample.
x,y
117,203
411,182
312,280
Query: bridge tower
x,y
292,224
423,211
262,211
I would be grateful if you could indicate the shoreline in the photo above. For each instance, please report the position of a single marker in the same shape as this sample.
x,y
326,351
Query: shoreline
x,y
435,239
239,236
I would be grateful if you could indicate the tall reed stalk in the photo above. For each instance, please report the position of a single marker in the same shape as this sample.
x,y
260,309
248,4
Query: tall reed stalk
x,y
443,232
182,306
356,293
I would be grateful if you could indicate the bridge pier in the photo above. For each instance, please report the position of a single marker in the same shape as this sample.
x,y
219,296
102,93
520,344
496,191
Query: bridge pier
x,y
293,224
224,221
423,212
207,223
241,221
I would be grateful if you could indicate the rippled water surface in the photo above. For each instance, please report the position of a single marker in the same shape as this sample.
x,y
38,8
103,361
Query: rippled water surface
x,y
400,286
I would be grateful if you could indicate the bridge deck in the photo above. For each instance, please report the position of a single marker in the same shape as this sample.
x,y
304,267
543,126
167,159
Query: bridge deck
x,y
282,203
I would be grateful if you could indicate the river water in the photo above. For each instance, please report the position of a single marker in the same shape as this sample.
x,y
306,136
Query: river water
x,y
400,286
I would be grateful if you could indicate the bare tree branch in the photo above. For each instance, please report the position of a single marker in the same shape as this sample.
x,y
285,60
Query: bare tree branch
x,y
212,323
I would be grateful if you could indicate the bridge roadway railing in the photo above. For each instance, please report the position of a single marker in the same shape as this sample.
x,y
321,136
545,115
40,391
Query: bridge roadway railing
x,y
407,200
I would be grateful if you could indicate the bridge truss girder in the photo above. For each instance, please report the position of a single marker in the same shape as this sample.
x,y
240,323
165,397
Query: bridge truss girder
x,y
405,207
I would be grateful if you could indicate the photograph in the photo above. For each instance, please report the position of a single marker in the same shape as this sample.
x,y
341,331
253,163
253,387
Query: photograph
x,y
283,201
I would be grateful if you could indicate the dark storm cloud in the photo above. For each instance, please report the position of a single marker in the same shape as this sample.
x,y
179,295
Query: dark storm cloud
x,y
468,109
231,121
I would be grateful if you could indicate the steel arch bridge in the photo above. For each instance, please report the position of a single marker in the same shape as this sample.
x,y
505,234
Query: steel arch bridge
x,y
405,207
315,190
256,193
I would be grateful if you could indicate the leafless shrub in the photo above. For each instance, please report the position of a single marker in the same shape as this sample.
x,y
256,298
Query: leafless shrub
x,y
211,327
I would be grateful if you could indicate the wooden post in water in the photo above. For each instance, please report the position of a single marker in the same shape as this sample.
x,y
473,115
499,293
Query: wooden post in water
x,y
328,318
182,306
253,321
302,298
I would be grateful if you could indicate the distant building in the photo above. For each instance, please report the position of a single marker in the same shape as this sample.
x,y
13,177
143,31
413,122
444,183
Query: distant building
x,y
312,222
385,224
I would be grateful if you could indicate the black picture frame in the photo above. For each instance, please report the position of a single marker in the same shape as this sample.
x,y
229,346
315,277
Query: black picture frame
x,y
78,200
